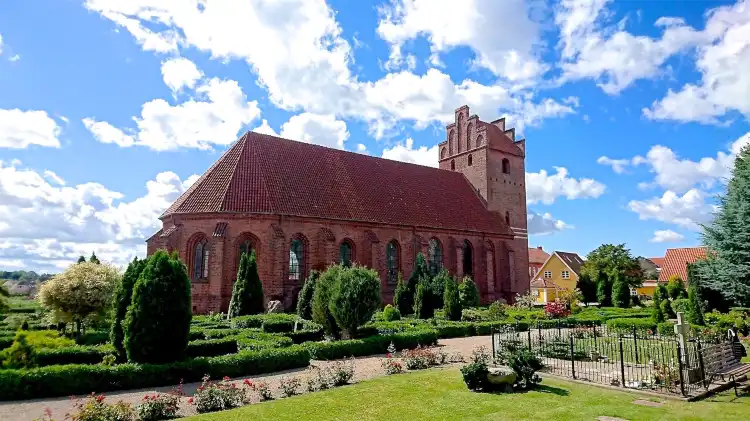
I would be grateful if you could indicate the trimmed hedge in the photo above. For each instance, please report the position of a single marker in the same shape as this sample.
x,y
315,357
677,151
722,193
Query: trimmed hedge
x,y
370,346
76,379
93,338
6,341
271,323
486,328
211,347
625,325
79,354
305,335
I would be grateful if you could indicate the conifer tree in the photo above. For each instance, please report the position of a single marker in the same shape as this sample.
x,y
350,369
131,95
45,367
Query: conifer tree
x,y
420,272
94,259
324,290
81,259
656,312
620,292
123,298
247,293
728,268
695,310
421,301
468,293
451,300
401,297
304,302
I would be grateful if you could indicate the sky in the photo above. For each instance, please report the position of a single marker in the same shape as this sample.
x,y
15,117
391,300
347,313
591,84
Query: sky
x,y
633,111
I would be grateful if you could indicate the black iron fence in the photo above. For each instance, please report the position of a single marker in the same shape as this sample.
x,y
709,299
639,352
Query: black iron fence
x,y
632,359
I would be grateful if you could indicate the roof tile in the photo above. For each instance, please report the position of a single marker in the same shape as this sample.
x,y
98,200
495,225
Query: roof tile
x,y
677,259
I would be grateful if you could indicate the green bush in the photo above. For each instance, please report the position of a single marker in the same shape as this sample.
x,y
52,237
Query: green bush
x,y
25,344
5,342
681,305
96,337
665,329
486,328
211,347
620,293
71,355
666,308
626,325
402,299
391,313
695,307
354,299
422,308
157,324
468,293
306,335
449,329
247,293
324,289
370,346
676,288
75,379
304,301
475,376
123,298
419,274
451,300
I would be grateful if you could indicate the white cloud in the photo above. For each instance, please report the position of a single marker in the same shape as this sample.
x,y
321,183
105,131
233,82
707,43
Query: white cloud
x,y
722,62
48,226
618,165
179,72
608,54
315,128
407,153
51,176
666,236
265,128
544,188
687,211
542,224
304,62
214,117
21,129
505,49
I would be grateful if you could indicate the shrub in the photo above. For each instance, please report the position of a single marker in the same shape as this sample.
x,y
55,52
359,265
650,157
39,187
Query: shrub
x,y
94,408
324,289
525,364
392,365
468,293
420,273
261,388
451,300
95,337
681,305
217,396
370,346
354,298
157,324
437,290
419,358
422,308
304,301
625,325
123,298
71,355
695,310
656,312
391,313
475,376
26,344
556,310
402,300
496,311
211,347
526,301
279,322
289,386
620,293
247,293
676,288
666,308
342,372
159,406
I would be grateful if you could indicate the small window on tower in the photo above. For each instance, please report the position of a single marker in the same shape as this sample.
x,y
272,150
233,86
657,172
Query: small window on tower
x,y
506,166
470,160
453,165
507,218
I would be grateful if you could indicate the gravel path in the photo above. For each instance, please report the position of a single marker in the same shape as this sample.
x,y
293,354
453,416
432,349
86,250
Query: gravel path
x,y
365,368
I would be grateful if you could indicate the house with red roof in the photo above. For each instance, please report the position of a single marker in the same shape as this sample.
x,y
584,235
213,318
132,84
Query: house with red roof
x,y
537,257
559,272
301,207
674,263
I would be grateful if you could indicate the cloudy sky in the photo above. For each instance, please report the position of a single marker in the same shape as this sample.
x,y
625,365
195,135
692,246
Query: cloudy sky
x,y
633,111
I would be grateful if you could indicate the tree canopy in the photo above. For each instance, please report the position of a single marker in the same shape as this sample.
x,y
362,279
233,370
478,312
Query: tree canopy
x,y
610,262
727,269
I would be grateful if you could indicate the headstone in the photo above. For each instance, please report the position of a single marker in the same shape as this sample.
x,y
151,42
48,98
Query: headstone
x,y
275,307
682,329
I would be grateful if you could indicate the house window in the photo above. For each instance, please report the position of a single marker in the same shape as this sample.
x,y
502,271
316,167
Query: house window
x,y
566,274
392,261
435,256
547,274
296,259
200,260
633,292
345,253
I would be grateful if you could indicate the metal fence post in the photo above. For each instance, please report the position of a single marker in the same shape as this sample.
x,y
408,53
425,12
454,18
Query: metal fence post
x,y
572,357
700,362
492,333
622,362
635,344
528,332
679,362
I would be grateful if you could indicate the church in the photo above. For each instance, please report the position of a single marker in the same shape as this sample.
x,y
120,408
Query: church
x,y
302,207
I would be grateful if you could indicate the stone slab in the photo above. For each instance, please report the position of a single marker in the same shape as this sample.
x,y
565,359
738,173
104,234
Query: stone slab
x,y
646,402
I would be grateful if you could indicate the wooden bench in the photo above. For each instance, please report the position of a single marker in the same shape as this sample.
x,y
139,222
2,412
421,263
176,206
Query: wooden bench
x,y
721,361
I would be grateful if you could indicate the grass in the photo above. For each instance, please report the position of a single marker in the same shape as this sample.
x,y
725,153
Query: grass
x,y
441,394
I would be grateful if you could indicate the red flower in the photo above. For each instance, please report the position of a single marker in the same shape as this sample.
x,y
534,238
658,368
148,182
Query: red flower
x,y
190,401
226,378
388,355
200,388
248,382
100,398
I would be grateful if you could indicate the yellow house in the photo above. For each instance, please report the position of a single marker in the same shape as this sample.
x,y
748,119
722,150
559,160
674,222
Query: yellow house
x,y
560,271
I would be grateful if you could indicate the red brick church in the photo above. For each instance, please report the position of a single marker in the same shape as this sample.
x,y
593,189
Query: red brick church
x,y
302,207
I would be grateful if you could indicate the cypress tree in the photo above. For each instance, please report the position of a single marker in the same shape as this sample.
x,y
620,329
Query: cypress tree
x,y
419,273
355,298
94,259
727,238
157,323
468,293
304,301
401,297
81,259
451,300
247,294
123,298
437,289
324,289
656,312
421,305
676,288
695,310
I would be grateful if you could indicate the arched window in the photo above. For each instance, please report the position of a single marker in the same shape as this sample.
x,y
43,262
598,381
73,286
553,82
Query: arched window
x,y
490,262
453,165
435,256
507,218
450,142
469,127
200,260
392,261
470,160
345,253
296,260
479,140
506,166
468,262
246,243
442,153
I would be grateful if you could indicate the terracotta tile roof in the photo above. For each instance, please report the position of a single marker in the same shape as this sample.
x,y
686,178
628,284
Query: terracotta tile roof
x,y
169,231
543,283
537,255
677,259
267,174
658,261
573,260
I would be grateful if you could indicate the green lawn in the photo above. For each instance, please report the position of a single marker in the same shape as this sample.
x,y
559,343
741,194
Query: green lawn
x,y
441,394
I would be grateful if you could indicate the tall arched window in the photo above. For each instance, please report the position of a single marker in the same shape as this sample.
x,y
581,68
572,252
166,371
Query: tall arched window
x,y
246,247
506,166
468,262
470,160
469,127
200,260
435,256
345,253
490,263
479,140
453,165
450,142
296,260
442,153
392,261
507,218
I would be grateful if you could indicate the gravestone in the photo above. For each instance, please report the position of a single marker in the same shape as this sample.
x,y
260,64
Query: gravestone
x,y
691,372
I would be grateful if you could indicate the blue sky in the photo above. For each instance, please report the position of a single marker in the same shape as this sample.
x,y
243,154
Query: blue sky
x,y
632,111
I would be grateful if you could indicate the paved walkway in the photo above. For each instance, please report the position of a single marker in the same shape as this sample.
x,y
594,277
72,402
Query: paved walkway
x,y
365,368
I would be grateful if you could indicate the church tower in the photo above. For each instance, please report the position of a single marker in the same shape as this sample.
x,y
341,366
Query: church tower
x,y
492,160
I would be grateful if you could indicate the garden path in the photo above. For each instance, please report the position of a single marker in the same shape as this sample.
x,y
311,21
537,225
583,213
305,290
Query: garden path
x,y
365,368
